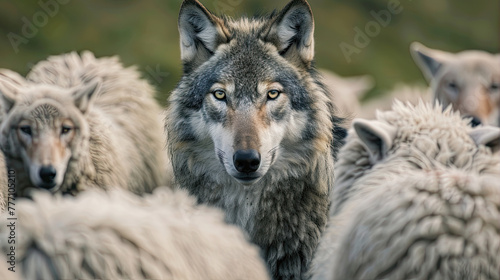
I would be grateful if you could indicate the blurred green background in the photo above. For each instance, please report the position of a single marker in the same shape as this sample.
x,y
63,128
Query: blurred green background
x,y
144,33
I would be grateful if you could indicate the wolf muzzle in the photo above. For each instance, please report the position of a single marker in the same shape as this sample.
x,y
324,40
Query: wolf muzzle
x,y
247,162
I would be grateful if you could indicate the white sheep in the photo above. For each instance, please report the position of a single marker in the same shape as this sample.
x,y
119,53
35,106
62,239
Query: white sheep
x,y
347,91
402,92
417,197
118,235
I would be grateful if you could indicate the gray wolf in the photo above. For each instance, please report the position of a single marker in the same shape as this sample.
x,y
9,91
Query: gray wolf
x,y
416,196
252,130
118,235
468,80
78,122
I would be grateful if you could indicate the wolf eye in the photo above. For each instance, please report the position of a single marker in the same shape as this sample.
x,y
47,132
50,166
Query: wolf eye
x,y
273,94
219,94
26,129
66,129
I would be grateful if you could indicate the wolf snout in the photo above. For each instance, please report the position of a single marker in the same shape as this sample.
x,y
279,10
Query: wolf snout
x,y
246,161
48,174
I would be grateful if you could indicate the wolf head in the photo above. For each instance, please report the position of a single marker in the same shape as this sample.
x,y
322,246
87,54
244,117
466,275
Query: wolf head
x,y
469,80
246,90
44,128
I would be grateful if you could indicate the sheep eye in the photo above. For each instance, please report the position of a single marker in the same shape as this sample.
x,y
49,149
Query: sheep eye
x,y
494,87
66,129
219,94
453,86
26,129
273,94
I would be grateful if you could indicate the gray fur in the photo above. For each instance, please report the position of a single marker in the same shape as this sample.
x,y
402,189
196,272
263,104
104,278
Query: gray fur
x,y
425,204
118,138
285,211
117,235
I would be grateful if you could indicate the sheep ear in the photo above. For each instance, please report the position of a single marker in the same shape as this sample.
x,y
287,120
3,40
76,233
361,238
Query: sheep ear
x,y
376,136
82,95
292,32
10,83
428,60
488,136
200,34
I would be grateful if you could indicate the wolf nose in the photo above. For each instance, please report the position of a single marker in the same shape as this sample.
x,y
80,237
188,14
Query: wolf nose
x,y
246,161
47,174
475,121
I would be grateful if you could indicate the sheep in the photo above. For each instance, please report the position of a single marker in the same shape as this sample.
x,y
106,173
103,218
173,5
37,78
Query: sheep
x,y
347,91
95,123
401,92
12,77
118,235
8,271
417,197
468,80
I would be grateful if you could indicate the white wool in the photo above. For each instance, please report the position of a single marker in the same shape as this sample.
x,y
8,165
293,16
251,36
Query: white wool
x,y
427,208
118,235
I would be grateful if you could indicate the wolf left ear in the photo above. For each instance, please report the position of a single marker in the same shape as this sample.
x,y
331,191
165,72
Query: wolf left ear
x,y
292,32
200,34
376,136
10,82
82,95
488,136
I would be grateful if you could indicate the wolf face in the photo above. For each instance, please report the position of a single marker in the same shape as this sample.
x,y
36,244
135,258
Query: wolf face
x,y
241,86
245,126
42,129
469,81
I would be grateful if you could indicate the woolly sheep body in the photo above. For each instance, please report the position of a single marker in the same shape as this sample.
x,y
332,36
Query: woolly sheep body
x,y
3,168
8,272
347,91
402,92
427,207
117,235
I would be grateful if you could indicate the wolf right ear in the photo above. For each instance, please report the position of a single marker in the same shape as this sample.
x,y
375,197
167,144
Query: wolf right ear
x,y
10,83
428,60
292,32
200,34
82,95
376,136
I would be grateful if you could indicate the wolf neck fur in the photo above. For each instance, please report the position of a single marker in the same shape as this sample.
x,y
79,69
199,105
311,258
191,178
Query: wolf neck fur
x,y
241,202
